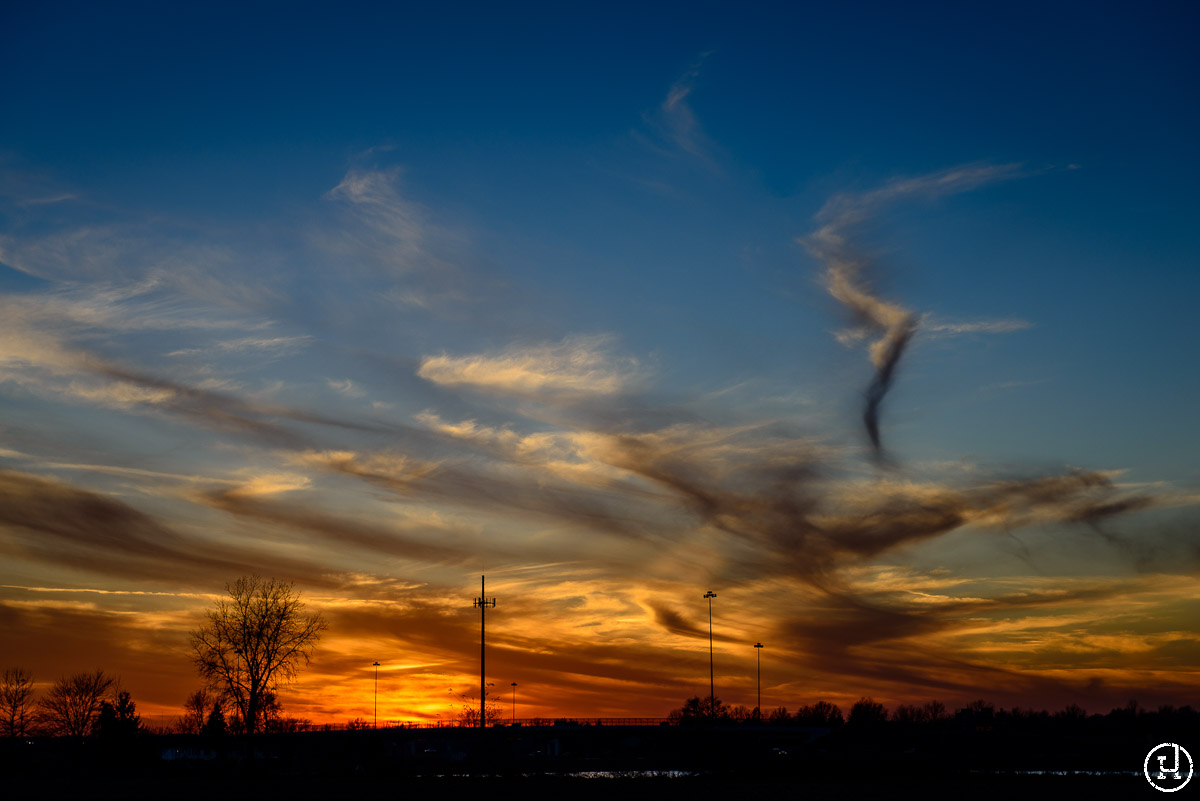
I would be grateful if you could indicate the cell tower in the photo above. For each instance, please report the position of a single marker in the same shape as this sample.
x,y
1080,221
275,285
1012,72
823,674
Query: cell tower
x,y
483,603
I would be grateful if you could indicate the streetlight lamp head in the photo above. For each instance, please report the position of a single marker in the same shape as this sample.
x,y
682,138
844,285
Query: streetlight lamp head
x,y
712,692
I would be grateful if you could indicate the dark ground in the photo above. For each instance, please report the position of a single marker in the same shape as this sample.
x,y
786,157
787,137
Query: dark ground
x,y
978,788
976,763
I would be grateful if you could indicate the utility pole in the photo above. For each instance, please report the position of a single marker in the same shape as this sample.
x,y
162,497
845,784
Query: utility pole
x,y
514,720
483,603
712,694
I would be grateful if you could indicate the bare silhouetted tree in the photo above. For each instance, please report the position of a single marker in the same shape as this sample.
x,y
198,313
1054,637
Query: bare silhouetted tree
x,y
195,711
16,703
908,714
867,713
740,713
274,721
1071,712
822,713
72,703
699,710
468,715
253,642
933,711
982,709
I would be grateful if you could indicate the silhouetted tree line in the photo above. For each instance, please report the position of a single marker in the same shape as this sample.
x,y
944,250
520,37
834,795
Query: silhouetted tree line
x,y
93,706
205,713
83,705
868,714
249,645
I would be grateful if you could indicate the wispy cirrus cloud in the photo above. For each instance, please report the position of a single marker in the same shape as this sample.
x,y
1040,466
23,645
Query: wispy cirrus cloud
x,y
930,326
54,366
391,225
47,200
51,323
379,234
274,346
676,118
672,128
119,257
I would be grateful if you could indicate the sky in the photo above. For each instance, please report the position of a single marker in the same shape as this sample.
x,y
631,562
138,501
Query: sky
x,y
874,319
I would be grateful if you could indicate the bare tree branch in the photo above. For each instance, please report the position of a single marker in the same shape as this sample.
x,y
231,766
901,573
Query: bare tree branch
x,y
71,705
16,703
253,642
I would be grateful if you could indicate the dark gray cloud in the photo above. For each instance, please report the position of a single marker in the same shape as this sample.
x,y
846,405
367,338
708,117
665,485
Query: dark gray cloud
x,y
676,623
228,413
66,526
409,542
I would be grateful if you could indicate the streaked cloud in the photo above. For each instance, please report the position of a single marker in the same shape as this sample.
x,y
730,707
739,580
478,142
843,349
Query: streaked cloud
x,y
267,345
146,305
576,366
930,326
845,260
61,525
383,231
561,466
676,119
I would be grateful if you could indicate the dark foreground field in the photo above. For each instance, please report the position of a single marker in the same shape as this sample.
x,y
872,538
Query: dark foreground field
x,y
701,787
580,763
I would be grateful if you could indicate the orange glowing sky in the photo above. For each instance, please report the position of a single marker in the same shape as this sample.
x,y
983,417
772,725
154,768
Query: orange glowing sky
x,y
615,315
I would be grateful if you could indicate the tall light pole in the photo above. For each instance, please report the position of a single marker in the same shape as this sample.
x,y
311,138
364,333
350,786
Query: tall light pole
x,y
514,720
376,666
483,603
712,694
758,650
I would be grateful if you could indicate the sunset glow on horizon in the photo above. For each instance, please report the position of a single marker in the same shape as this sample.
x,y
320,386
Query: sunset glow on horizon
x,y
822,311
